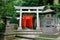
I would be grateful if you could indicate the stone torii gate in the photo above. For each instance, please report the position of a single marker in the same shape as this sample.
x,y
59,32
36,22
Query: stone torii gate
x,y
29,11
37,10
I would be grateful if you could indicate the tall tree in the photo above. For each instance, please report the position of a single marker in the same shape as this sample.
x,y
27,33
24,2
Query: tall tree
x,y
29,2
7,9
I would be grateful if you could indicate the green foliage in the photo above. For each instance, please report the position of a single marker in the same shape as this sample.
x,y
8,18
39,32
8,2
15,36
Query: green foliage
x,y
7,8
44,2
1,24
10,10
18,2
57,14
14,20
57,9
29,2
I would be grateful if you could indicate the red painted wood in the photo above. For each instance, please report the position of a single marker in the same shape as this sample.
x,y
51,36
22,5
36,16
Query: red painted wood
x,y
27,21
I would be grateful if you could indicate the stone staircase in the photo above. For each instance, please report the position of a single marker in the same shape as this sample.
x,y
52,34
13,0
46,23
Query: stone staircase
x,y
27,34
34,35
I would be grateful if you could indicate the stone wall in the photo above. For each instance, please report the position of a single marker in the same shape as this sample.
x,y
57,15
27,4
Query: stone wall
x,y
9,29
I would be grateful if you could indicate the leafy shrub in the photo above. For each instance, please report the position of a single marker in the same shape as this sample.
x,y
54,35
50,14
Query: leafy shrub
x,y
14,20
1,24
56,7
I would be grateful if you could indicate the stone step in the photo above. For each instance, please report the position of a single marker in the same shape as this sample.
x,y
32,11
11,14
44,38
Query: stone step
x,y
34,37
27,30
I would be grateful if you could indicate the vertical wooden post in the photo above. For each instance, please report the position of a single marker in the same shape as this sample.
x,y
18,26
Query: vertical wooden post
x,y
20,20
38,22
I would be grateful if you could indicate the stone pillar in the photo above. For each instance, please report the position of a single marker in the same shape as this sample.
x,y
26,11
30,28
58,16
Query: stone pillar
x,y
38,21
20,20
